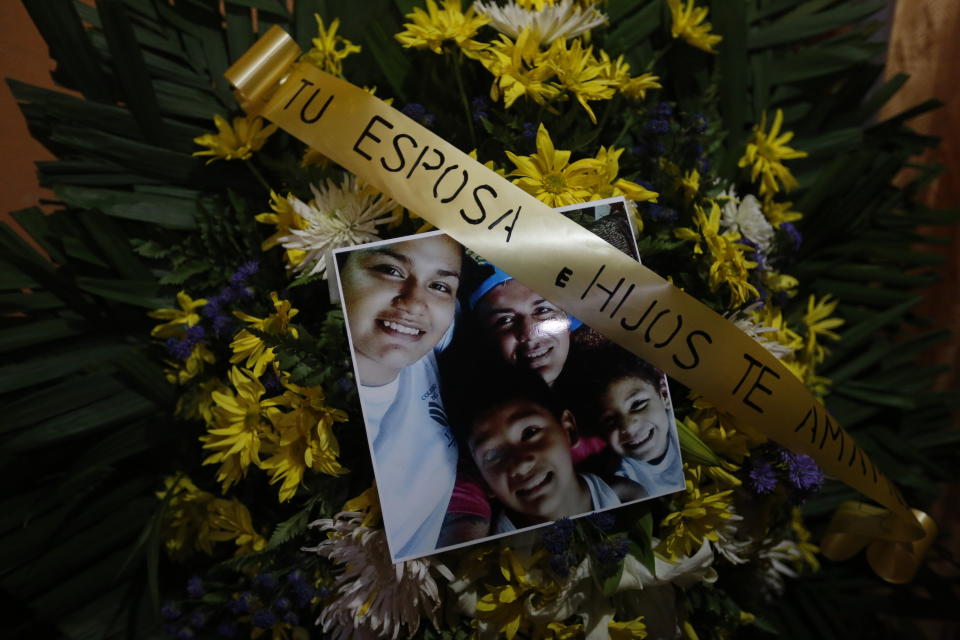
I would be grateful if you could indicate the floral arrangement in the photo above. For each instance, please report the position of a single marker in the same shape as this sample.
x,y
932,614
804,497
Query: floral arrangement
x,y
186,452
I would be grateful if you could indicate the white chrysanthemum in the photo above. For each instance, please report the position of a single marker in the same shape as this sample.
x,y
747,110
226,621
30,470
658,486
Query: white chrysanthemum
x,y
755,330
564,19
374,598
777,561
746,217
728,544
338,216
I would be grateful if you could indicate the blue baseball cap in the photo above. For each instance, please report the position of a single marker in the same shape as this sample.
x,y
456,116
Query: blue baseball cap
x,y
498,277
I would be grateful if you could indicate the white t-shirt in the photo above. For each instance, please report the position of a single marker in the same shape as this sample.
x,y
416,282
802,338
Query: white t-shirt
x,y
658,479
601,497
414,454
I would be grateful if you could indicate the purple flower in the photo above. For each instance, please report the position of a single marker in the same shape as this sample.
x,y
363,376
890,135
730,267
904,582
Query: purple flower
x,y
556,538
245,272
227,629
657,125
222,325
291,618
265,582
184,633
344,384
197,618
658,213
295,577
281,604
264,618
663,109
612,551
242,603
603,520
227,294
239,292
758,256
195,334
529,131
419,113
560,566
480,104
796,238
179,349
303,594
804,474
763,479
170,610
271,383
699,122
212,308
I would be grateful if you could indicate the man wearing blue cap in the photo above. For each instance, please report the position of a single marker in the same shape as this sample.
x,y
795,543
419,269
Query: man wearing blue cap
x,y
527,330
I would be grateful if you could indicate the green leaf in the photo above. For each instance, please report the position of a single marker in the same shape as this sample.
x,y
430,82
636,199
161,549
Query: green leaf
x,y
137,293
45,368
127,58
36,332
77,63
694,448
793,28
171,213
94,417
292,527
730,21
610,583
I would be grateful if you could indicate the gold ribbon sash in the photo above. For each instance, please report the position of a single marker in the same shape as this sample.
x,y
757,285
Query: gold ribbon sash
x,y
554,256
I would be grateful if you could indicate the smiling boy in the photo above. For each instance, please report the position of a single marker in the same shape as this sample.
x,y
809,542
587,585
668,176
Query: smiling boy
x,y
519,437
399,301
625,401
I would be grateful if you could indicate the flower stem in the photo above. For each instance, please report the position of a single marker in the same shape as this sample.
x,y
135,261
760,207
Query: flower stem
x,y
259,176
455,62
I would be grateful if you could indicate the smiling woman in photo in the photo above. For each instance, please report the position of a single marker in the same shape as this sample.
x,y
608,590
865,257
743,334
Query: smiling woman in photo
x,y
399,300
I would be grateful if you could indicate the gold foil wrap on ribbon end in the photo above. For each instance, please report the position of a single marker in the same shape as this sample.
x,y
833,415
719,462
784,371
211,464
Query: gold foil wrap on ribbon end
x,y
893,550
262,69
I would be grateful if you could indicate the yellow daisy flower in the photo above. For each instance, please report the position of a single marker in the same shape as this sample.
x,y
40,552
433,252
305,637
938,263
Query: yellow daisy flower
x,y
550,177
560,631
806,550
236,142
818,323
367,503
177,320
630,630
238,426
764,153
609,185
329,49
186,527
303,439
518,70
618,72
534,5
729,267
248,346
504,606
580,73
779,212
284,217
181,372
431,28
690,184
688,23
230,521
701,513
